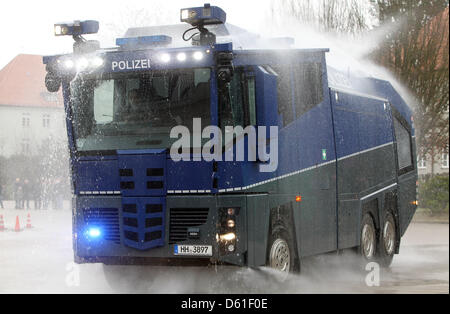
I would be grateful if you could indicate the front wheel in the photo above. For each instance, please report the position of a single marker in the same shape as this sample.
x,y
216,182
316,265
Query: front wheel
x,y
282,255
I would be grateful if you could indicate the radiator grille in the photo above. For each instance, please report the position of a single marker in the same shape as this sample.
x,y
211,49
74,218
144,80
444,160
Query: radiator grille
x,y
105,218
183,218
143,222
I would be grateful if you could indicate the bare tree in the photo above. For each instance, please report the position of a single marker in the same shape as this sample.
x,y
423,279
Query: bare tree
x,y
417,52
330,16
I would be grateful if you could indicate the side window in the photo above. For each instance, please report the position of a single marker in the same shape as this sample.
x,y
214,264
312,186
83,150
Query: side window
x,y
308,87
103,102
238,104
404,153
250,100
237,99
284,92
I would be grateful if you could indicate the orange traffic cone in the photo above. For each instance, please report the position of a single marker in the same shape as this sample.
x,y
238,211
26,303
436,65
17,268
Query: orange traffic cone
x,y
2,223
17,228
29,221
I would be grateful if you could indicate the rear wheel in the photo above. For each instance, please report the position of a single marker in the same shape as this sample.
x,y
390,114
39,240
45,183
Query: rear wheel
x,y
282,255
368,246
388,240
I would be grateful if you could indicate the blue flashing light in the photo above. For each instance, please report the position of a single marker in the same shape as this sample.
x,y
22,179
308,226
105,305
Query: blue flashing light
x,y
94,233
76,28
206,15
143,41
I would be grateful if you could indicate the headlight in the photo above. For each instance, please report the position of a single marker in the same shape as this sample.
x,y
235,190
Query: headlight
x,y
82,63
69,64
181,56
198,55
228,236
165,57
97,62
227,233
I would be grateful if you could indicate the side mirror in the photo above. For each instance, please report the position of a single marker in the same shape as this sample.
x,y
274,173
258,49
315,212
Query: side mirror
x,y
224,75
52,82
225,67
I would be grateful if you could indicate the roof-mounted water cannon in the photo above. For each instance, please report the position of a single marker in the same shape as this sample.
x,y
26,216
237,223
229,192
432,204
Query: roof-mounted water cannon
x,y
84,57
199,17
76,29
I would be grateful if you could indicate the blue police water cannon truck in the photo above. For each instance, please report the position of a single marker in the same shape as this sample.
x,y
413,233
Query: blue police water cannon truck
x,y
343,172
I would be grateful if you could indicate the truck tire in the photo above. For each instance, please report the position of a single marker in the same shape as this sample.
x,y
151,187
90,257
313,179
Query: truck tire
x,y
282,254
368,245
387,240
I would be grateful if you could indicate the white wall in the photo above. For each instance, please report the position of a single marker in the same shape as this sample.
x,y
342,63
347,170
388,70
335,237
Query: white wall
x,y
438,166
13,134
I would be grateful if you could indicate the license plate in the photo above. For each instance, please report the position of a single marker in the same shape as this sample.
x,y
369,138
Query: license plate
x,y
193,250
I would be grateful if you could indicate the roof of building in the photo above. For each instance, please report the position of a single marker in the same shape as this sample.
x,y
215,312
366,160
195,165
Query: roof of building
x,y
22,84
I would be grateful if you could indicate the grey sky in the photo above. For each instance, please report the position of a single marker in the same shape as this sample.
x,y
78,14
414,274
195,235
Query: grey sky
x,y
27,26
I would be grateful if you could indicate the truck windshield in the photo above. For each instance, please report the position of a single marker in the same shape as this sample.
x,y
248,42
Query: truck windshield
x,y
137,111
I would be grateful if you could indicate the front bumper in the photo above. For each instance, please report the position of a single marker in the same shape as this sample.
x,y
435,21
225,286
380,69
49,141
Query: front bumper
x,y
126,239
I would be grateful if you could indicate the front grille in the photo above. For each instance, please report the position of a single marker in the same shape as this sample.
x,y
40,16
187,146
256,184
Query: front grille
x,y
143,222
183,218
131,222
107,219
155,172
130,235
155,185
130,208
127,185
153,208
151,236
126,172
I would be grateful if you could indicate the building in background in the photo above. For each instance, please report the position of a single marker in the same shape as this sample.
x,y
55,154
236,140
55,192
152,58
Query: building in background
x,y
440,164
30,116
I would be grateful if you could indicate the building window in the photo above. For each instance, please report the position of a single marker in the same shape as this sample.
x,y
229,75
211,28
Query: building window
x,y
25,146
444,161
422,164
25,119
46,120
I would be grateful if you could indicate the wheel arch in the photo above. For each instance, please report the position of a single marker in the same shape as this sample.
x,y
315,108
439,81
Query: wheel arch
x,y
282,217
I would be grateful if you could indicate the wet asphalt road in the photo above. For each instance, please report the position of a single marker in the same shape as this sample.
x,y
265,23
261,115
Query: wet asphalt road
x,y
39,260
